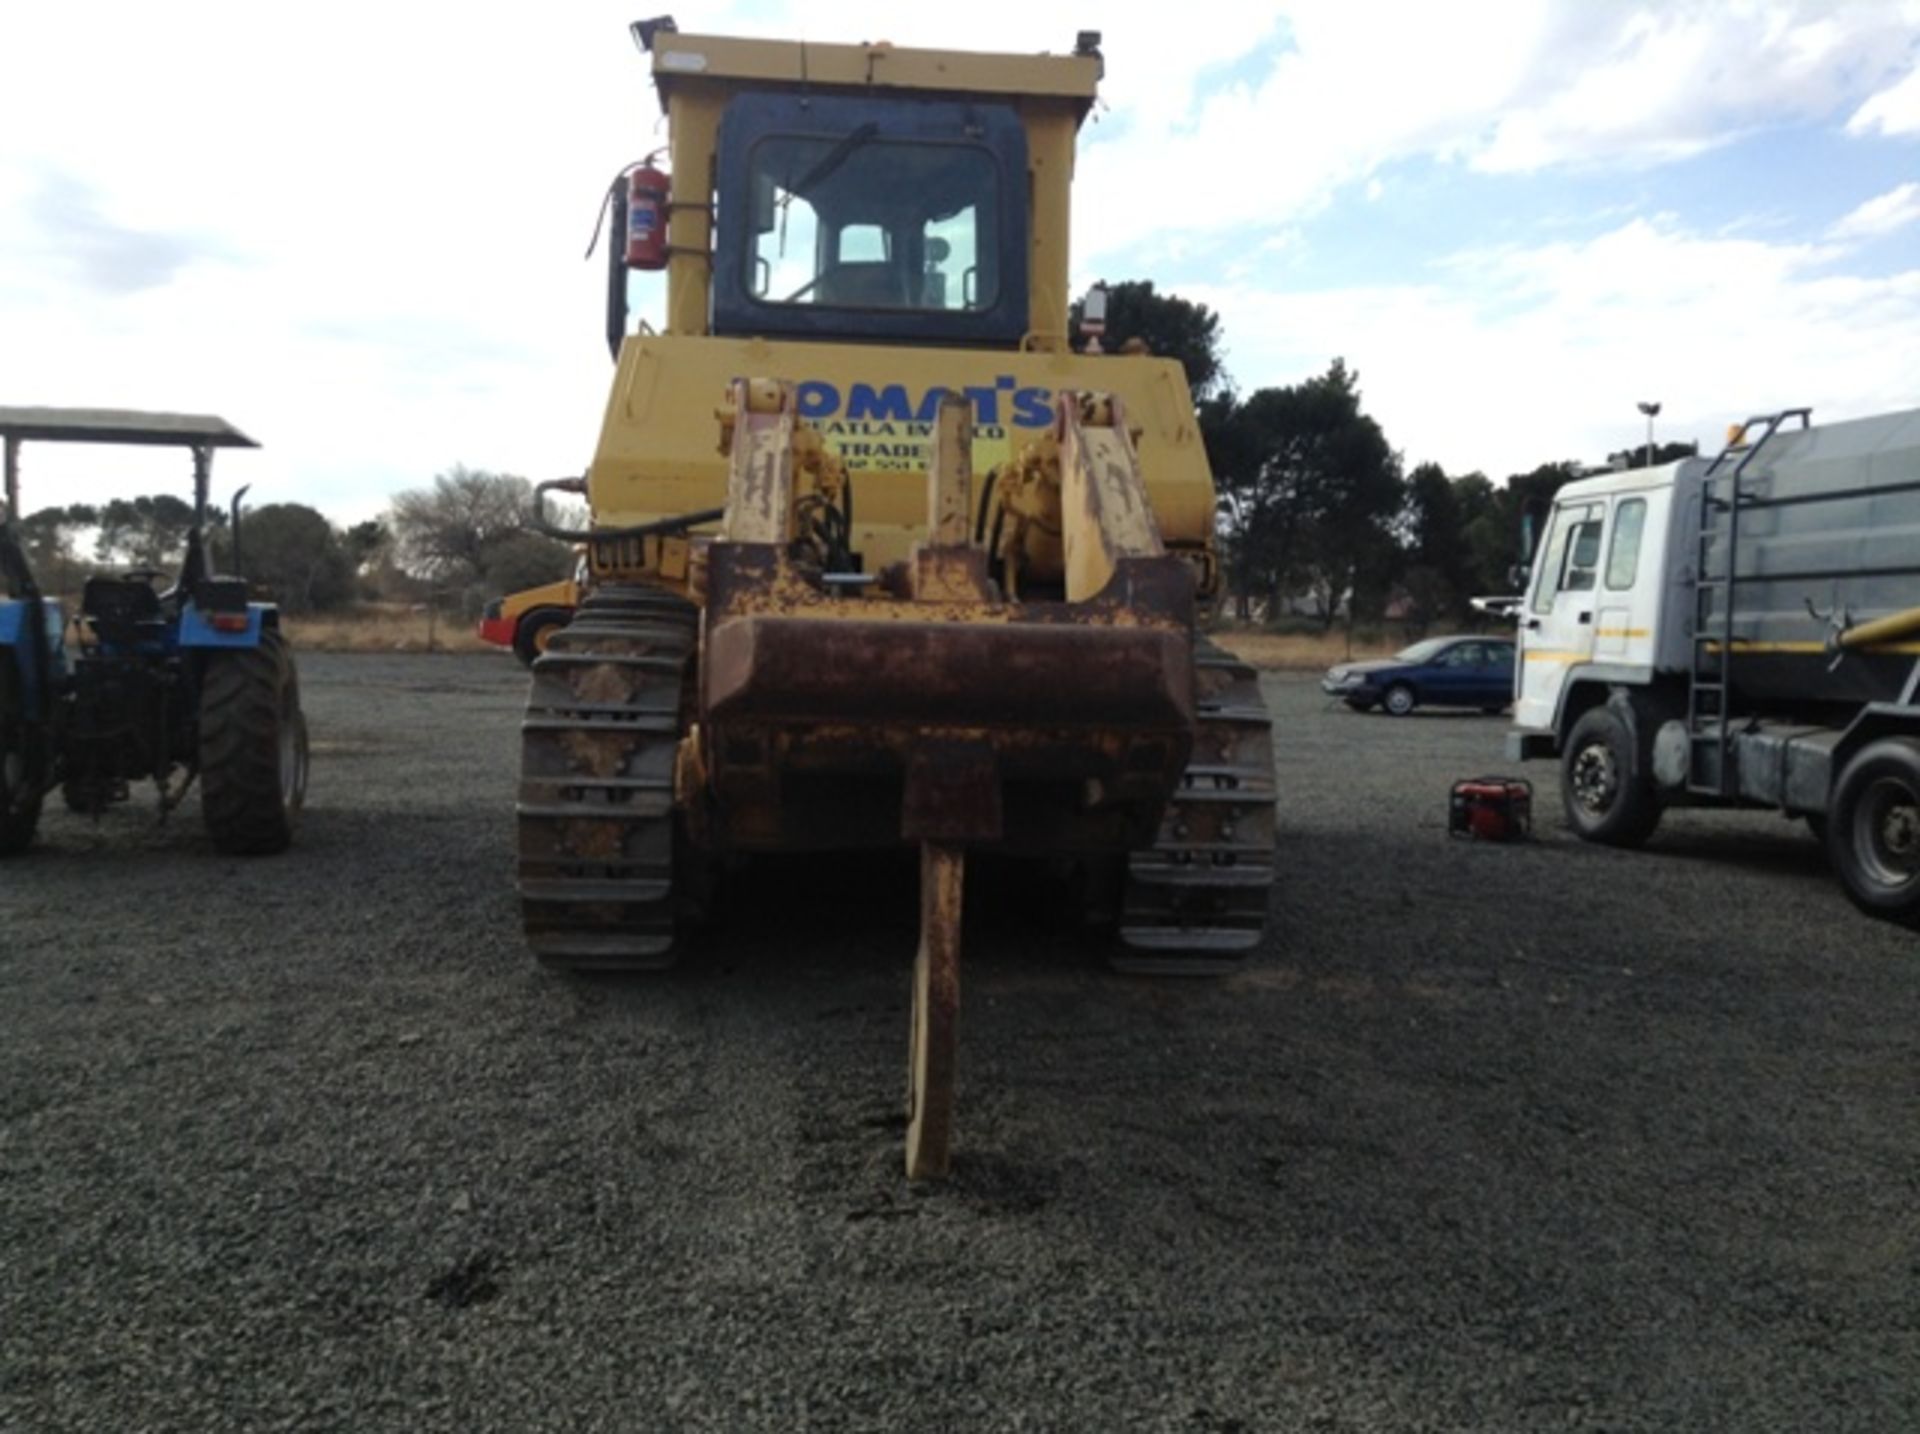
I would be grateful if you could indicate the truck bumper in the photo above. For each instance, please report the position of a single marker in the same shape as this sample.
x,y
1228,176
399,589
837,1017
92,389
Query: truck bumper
x,y
498,630
1529,746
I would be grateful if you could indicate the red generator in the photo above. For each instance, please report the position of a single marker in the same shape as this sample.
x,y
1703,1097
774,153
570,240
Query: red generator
x,y
1491,809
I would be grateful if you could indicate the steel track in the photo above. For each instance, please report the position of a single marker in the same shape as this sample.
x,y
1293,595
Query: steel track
x,y
597,832
1196,900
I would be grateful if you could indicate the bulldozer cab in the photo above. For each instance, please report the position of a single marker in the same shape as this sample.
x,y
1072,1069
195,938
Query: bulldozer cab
x,y
866,193
868,218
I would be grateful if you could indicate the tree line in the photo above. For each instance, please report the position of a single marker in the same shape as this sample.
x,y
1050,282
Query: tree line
x,y
457,541
1318,516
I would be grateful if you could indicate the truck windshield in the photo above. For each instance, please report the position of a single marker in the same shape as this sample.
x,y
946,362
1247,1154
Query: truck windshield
x,y
857,221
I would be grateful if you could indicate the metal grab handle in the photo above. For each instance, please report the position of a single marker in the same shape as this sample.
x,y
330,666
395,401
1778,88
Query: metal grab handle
x,y
538,521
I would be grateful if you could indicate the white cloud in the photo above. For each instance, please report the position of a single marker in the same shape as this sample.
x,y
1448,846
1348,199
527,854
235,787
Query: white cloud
x,y
1894,111
1650,85
1524,356
1881,215
356,233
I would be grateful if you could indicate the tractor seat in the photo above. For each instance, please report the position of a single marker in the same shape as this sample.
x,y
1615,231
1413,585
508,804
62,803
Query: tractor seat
x,y
122,610
863,285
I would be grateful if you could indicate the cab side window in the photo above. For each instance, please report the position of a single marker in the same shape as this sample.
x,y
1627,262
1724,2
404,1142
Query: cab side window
x,y
1583,558
1623,556
1571,553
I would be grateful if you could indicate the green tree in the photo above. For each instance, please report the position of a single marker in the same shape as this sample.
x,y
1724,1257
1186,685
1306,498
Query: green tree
x,y
1636,457
1310,492
366,543
1168,326
444,531
49,536
525,560
296,555
468,531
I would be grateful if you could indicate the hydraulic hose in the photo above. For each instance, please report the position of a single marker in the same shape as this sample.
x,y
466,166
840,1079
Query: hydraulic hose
x,y
539,522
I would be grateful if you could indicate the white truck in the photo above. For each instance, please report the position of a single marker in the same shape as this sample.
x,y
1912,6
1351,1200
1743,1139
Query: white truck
x,y
1740,631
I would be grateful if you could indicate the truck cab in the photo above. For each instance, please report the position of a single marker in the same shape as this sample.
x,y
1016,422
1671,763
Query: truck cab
x,y
1591,612
1740,631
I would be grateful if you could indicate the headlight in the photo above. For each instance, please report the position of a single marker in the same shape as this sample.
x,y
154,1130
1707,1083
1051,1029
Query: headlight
x,y
1351,679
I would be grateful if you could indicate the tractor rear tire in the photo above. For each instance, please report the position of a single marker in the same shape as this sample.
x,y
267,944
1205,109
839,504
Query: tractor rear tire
x,y
253,748
19,816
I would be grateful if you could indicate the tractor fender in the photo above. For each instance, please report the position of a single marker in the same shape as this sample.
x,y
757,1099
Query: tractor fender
x,y
197,629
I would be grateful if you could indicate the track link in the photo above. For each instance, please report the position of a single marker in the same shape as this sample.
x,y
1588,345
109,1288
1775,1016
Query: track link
x,y
597,829
1196,900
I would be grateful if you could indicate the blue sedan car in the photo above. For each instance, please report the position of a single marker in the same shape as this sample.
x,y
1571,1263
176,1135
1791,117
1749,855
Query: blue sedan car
x,y
1439,672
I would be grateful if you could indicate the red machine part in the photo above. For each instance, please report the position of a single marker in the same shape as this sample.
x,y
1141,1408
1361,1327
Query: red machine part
x,y
1491,809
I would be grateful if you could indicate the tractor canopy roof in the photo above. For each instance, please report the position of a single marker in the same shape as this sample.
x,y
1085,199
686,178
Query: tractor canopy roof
x,y
121,425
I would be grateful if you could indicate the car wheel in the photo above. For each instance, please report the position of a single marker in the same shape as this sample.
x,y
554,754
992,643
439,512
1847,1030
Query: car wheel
x,y
1399,700
1605,788
1873,830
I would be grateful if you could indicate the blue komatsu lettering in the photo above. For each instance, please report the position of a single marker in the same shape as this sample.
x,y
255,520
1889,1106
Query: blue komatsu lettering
x,y
1033,408
816,399
930,405
890,403
986,404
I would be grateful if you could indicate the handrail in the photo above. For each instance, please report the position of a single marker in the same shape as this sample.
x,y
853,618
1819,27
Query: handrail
x,y
538,521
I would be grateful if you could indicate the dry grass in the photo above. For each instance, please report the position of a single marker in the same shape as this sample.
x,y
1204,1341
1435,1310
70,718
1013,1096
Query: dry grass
x,y
392,628
1309,652
397,628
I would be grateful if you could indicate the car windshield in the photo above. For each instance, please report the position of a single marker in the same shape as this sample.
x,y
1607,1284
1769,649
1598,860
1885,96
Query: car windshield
x,y
1422,651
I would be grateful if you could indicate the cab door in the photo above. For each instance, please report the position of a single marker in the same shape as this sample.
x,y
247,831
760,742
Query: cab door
x,y
1557,626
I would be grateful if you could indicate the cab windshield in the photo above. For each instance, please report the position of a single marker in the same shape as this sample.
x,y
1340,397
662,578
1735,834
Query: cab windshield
x,y
858,221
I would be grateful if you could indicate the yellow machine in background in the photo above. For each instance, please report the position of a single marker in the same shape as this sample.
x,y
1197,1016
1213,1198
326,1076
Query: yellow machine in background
x,y
876,558
527,620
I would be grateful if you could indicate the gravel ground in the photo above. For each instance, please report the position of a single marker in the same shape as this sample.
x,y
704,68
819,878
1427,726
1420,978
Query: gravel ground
x,y
1486,1138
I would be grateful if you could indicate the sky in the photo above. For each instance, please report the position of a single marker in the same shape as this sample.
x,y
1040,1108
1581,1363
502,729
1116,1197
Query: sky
x,y
356,230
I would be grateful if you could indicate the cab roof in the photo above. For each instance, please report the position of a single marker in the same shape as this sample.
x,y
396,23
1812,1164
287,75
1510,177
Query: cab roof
x,y
685,61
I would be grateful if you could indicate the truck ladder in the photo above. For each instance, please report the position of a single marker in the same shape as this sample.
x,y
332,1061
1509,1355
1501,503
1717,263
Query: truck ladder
x,y
1710,685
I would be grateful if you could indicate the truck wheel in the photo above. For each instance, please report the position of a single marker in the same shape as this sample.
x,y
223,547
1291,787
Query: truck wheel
x,y
253,748
1873,829
532,633
1399,700
19,812
1603,785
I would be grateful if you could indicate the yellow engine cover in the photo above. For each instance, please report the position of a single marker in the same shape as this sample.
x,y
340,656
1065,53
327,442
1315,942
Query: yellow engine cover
x,y
659,451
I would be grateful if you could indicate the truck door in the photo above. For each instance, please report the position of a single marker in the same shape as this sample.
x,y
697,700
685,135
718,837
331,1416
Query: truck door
x,y
1557,628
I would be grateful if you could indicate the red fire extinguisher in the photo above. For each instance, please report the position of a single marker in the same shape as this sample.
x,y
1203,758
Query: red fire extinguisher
x,y
647,190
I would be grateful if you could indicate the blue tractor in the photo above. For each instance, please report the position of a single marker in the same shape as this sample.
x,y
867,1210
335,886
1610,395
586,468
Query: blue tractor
x,y
157,682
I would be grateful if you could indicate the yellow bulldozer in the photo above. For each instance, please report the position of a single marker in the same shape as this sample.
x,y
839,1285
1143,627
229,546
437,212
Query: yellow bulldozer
x,y
876,558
